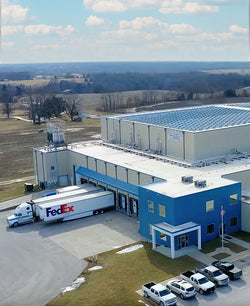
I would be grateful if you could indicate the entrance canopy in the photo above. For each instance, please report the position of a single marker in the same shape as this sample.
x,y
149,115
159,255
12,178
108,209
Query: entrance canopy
x,y
133,189
173,231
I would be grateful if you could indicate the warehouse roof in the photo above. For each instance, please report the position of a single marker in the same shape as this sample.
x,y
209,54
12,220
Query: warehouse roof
x,y
171,173
196,118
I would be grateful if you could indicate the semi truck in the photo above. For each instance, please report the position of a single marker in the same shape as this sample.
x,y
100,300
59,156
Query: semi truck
x,y
64,209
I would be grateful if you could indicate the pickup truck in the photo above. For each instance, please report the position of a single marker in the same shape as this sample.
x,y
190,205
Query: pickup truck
x,y
213,274
228,268
159,294
199,281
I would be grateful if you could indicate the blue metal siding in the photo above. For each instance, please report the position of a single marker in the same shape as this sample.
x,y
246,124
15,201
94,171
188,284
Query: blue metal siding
x,y
146,217
191,208
133,189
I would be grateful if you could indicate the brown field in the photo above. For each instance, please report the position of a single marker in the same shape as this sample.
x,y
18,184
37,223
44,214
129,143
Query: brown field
x,y
18,138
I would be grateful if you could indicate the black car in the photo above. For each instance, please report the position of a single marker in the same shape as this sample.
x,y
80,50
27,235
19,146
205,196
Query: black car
x,y
228,268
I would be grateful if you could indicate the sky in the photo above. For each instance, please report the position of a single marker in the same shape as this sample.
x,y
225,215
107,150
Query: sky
x,y
37,31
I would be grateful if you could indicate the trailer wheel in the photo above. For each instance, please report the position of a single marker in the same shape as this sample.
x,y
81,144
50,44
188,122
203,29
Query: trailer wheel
x,y
15,224
101,211
96,212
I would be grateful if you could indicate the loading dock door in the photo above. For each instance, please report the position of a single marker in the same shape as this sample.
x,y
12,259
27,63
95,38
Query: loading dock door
x,y
133,206
63,180
122,201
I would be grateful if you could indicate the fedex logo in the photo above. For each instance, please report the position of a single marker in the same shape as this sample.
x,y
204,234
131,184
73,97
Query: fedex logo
x,y
62,210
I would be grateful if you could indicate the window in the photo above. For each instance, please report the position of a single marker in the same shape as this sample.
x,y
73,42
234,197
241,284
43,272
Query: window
x,y
210,229
162,210
209,205
234,221
233,199
52,168
151,206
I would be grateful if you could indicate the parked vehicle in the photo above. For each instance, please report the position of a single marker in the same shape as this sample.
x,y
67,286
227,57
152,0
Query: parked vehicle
x,y
228,268
64,209
214,275
159,294
199,281
181,287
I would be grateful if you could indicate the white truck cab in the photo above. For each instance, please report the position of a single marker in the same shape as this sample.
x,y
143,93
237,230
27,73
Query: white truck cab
x,y
22,214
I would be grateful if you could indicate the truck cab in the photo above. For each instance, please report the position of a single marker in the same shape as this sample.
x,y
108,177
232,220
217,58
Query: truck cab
x,y
22,214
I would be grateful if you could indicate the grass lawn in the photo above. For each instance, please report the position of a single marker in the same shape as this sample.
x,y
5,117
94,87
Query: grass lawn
x,y
242,235
221,256
12,190
122,275
210,246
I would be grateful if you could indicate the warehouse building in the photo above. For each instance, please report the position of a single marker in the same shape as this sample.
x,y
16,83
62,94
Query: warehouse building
x,y
175,171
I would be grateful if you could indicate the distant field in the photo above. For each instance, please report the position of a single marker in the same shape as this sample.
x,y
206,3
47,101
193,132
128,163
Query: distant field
x,y
17,140
227,71
37,83
90,102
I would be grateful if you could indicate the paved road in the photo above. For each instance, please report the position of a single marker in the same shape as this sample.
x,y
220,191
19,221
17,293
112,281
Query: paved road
x,y
37,260
33,269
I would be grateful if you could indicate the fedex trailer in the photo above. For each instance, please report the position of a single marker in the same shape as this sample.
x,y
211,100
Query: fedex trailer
x,y
64,209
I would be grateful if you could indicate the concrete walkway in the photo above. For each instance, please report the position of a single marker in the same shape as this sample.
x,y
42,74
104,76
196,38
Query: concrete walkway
x,y
208,258
10,204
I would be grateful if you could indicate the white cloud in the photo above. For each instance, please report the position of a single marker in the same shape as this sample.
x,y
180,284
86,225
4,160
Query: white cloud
x,y
8,44
11,29
94,20
118,5
48,29
13,13
183,7
238,30
151,23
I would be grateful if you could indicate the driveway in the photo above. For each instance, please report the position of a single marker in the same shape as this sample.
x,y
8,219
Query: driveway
x,y
37,260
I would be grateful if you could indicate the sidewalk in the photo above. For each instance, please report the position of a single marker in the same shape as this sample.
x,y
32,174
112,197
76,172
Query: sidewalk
x,y
233,256
11,204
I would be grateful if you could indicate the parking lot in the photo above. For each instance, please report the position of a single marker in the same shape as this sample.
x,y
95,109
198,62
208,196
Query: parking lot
x,y
37,260
236,293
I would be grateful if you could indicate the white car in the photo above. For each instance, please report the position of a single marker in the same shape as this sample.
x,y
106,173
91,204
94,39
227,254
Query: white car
x,y
181,287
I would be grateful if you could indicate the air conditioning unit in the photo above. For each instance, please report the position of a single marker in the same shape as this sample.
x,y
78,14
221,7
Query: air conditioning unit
x,y
187,179
200,183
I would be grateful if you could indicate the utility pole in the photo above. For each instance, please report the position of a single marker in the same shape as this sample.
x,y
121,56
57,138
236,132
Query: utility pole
x,y
222,212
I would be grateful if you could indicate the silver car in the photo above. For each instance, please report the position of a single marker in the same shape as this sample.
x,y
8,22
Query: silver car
x,y
181,287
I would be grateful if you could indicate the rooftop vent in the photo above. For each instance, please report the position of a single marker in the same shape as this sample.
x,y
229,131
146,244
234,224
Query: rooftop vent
x,y
200,183
187,179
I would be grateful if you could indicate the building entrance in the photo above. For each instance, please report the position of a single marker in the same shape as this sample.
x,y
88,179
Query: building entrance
x,y
182,241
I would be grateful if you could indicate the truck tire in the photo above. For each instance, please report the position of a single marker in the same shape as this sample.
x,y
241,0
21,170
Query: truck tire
x,y
201,291
15,224
145,294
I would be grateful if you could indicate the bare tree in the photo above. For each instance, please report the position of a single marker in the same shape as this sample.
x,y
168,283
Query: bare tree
x,y
72,105
8,107
7,101
36,103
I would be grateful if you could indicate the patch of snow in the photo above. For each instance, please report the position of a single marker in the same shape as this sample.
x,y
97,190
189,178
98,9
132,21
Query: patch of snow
x,y
96,136
75,129
95,268
75,284
117,247
130,249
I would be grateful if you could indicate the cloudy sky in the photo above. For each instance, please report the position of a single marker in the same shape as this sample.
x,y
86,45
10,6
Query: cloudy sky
x,y
124,30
